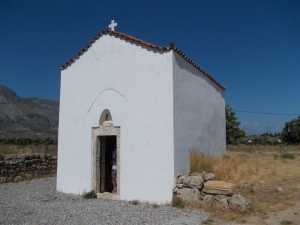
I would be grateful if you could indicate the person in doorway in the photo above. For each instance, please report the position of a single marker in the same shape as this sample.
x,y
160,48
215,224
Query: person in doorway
x,y
114,170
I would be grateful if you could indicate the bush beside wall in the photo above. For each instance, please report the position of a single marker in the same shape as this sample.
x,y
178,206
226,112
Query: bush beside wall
x,y
15,168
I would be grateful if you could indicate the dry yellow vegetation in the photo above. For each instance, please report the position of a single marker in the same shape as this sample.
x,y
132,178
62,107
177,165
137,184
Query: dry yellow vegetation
x,y
17,149
260,174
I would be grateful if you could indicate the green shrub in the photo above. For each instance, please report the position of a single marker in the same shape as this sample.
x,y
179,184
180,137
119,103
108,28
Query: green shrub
x,y
178,202
287,156
89,195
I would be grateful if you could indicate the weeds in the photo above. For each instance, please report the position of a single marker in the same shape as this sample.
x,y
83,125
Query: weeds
x,y
201,162
28,213
286,222
135,202
155,206
287,156
89,195
208,221
178,202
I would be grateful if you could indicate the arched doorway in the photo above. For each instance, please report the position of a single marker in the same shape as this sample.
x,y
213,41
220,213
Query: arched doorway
x,y
104,140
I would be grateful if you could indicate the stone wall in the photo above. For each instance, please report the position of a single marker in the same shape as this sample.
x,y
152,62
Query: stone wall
x,y
15,168
196,188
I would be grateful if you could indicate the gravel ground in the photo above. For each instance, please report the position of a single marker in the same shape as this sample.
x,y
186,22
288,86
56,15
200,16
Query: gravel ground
x,y
37,202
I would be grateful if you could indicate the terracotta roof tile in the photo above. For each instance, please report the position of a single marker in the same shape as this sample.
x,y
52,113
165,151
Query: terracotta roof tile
x,y
143,43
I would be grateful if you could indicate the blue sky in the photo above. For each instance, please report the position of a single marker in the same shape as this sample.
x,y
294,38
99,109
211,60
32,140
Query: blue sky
x,y
251,47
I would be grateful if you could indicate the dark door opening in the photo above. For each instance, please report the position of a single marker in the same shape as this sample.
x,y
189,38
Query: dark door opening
x,y
107,145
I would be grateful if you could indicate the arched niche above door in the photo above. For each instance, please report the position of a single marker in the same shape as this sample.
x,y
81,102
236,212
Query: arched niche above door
x,y
105,116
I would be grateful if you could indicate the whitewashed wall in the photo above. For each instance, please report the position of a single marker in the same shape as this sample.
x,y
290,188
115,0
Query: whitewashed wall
x,y
199,114
136,85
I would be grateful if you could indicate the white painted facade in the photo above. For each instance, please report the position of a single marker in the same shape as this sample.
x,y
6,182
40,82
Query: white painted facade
x,y
199,114
163,105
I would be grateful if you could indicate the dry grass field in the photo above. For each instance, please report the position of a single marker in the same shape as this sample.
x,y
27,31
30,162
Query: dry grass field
x,y
17,149
269,179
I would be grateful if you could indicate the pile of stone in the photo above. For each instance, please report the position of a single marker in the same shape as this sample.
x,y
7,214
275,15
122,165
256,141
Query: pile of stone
x,y
196,188
26,166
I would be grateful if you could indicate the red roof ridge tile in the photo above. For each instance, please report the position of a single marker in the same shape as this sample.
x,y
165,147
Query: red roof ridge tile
x,y
143,43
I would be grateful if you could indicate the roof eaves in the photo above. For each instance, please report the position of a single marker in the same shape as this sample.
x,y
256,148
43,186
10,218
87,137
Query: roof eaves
x,y
116,34
179,52
143,43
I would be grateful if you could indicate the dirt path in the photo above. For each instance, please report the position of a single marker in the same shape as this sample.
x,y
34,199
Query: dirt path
x,y
289,216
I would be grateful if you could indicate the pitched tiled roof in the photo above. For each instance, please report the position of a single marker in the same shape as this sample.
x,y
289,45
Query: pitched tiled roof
x,y
143,43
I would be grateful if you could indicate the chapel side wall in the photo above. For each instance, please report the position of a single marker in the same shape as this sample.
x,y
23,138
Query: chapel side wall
x,y
135,84
199,114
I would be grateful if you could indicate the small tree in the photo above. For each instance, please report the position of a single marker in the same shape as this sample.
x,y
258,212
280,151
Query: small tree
x,y
233,132
291,132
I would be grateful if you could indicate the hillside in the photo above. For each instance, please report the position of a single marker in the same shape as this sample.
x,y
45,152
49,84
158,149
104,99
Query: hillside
x,y
27,117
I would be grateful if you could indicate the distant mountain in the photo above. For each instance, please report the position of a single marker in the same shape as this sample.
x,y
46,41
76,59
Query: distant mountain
x,y
27,117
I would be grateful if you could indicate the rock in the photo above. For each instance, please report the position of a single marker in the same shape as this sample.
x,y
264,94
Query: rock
x,y
175,190
2,157
218,188
207,200
208,176
221,202
18,178
108,123
22,158
189,195
279,189
22,174
179,185
194,174
10,179
49,156
238,203
194,181
2,163
180,178
28,176
4,172
2,180
202,195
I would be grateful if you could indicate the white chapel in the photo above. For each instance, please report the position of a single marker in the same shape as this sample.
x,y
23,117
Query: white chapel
x,y
152,104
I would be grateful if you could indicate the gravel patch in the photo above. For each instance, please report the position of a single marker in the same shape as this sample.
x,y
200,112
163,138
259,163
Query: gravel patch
x,y
37,202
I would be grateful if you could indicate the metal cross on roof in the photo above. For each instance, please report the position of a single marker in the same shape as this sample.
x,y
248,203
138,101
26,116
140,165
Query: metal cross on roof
x,y
112,25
